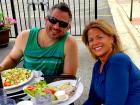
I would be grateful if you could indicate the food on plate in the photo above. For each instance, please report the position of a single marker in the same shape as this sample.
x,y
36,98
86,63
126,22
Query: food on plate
x,y
61,95
40,88
15,76
58,92
68,88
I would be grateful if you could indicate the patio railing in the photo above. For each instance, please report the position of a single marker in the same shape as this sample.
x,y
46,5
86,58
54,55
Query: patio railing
x,y
31,13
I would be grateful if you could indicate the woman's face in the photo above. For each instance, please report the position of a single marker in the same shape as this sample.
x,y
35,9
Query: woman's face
x,y
100,43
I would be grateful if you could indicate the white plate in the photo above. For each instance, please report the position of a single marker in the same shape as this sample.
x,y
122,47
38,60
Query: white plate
x,y
19,88
25,103
60,101
20,84
53,102
77,94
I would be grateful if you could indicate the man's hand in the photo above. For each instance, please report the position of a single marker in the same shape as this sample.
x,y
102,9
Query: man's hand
x,y
1,68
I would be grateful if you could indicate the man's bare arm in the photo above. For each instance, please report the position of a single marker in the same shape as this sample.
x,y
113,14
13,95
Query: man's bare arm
x,y
71,56
16,53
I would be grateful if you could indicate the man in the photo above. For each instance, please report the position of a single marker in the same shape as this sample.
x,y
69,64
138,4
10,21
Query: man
x,y
51,50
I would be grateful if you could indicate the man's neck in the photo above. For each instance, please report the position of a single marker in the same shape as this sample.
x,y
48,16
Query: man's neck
x,y
44,40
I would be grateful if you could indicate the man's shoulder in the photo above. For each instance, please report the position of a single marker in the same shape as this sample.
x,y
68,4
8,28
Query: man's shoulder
x,y
70,44
71,39
35,29
23,34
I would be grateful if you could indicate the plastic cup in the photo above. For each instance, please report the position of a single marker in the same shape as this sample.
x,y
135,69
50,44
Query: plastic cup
x,y
3,96
42,100
11,101
4,100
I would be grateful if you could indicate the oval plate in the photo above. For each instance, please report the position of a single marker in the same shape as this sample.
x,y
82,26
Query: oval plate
x,y
77,94
53,102
20,84
59,101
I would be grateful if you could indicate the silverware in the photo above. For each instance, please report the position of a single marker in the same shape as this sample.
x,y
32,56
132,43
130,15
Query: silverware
x,y
78,79
16,95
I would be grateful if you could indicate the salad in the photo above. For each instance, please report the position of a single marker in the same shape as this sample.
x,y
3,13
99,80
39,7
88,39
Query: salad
x,y
15,76
59,92
39,89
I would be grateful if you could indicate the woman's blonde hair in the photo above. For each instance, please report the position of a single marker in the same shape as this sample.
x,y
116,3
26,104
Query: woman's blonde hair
x,y
107,29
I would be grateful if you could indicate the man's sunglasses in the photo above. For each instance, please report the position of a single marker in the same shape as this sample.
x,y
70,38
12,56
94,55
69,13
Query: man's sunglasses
x,y
53,20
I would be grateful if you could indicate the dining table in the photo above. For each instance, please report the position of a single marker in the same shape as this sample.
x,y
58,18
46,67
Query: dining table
x,y
19,95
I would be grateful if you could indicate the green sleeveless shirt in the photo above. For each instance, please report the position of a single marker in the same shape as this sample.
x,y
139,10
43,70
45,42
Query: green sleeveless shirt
x,y
49,60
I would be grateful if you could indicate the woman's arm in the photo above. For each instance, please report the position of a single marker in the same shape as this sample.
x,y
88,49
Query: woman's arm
x,y
117,80
92,99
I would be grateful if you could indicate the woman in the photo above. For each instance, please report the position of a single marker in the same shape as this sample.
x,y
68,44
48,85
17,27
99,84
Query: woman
x,y
115,78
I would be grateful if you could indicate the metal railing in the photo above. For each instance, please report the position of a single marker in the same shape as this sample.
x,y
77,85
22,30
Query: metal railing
x,y
130,7
31,13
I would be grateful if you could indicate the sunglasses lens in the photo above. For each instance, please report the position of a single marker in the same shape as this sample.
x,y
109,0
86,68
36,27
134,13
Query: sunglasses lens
x,y
63,24
54,21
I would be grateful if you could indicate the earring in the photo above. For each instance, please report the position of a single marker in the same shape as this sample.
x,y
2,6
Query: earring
x,y
113,45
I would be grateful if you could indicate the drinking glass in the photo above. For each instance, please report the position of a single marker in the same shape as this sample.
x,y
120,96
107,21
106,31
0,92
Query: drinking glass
x,y
11,101
3,96
42,100
4,100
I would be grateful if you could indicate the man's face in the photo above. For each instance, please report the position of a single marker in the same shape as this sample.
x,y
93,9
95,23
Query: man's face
x,y
57,23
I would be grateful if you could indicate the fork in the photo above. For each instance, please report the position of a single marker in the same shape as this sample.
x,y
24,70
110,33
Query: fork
x,y
78,79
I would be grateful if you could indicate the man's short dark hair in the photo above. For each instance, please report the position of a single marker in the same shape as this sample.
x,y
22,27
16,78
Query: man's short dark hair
x,y
63,7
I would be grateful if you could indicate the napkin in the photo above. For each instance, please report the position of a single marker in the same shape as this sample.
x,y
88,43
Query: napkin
x,y
38,76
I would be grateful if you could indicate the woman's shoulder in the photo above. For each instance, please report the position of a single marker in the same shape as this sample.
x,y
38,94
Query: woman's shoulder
x,y
119,61
120,57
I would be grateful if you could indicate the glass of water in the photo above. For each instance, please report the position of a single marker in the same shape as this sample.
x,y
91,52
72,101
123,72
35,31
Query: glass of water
x,y
11,101
3,96
4,100
42,100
